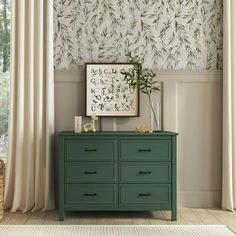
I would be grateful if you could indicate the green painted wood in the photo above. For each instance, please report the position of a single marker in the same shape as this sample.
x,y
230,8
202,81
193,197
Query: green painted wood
x,y
118,207
116,162
145,193
139,172
60,176
145,150
89,150
117,133
174,180
90,194
86,172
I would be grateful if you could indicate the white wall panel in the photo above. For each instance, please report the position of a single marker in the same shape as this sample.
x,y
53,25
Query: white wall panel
x,y
192,106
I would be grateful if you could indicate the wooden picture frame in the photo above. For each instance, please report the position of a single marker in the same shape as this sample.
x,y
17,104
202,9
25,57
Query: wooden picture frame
x,y
107,93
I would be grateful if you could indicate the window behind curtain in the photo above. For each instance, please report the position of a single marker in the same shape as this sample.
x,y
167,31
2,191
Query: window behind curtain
x,y
5,17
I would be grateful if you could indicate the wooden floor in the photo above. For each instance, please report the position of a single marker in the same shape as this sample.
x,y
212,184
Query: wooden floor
x,y
185,216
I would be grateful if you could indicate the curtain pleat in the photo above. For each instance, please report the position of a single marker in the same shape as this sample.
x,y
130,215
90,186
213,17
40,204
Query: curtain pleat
x,y
229,107
29,174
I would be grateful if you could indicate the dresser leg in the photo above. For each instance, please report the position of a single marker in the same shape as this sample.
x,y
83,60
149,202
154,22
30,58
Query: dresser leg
x,y
174,214
61,215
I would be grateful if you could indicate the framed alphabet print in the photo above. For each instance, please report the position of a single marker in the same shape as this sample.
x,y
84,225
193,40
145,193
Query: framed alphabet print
x,y
107,93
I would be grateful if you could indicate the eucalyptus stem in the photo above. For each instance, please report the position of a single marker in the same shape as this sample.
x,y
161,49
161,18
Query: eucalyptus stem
x,y
142,79
152,108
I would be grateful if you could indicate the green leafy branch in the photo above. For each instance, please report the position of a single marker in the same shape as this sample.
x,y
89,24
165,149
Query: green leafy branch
x,y
142,79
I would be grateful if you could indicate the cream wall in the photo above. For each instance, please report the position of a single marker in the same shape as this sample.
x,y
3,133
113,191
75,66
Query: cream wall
x,y
192,106
192,103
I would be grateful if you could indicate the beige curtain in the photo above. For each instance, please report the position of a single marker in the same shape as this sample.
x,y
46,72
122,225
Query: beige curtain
x,y
229,107
29,174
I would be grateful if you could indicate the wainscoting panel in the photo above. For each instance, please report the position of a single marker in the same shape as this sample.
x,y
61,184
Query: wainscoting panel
x,y
192,106
70,101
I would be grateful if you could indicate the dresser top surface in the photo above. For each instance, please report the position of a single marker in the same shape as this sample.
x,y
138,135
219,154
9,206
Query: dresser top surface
x,y
119,133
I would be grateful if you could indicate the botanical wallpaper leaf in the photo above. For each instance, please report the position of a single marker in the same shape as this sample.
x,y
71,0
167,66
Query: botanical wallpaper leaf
x,y
165,34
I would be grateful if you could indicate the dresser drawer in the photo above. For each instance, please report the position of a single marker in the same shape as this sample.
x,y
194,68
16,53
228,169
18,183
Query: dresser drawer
x,y
145,193
90,193
146,150
89,150
76,172
159,172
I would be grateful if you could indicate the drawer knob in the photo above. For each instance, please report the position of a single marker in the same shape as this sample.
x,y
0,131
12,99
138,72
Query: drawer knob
x,y
144,150
144,194
90,172
90,150
144,172
90,194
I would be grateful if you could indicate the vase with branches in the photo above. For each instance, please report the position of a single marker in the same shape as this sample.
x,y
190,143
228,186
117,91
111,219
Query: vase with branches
x,y
142,79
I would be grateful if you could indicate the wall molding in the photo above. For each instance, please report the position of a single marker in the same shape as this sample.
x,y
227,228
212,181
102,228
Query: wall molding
x,y
68,76
189,75
171,80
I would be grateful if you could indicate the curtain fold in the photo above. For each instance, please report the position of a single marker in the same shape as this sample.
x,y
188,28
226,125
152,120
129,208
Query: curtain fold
x,y
30,167
229,107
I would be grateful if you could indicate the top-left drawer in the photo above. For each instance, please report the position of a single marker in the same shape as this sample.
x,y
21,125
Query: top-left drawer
x,y
90,150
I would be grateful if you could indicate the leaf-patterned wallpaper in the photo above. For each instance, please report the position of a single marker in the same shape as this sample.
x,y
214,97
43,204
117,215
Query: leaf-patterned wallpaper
x,y
165,34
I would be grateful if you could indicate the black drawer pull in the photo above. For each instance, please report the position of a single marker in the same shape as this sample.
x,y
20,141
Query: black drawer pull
x,y
144,172
90,150
90,172
90,194
144,194
144,150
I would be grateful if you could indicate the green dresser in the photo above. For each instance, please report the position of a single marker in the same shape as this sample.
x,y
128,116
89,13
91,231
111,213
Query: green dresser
x,y
116,171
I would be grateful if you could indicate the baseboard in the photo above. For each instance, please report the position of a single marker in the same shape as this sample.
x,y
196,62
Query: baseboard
x,y
200,199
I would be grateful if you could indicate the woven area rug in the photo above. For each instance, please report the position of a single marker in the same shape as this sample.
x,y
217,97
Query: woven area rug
x,y
118,230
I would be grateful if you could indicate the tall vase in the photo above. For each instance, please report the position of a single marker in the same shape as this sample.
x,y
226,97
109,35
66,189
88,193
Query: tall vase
x,y
154,116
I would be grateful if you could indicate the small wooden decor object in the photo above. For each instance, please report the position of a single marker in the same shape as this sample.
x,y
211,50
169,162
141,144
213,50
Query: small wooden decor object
x,y
144,128
2,173
91,127
78,124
